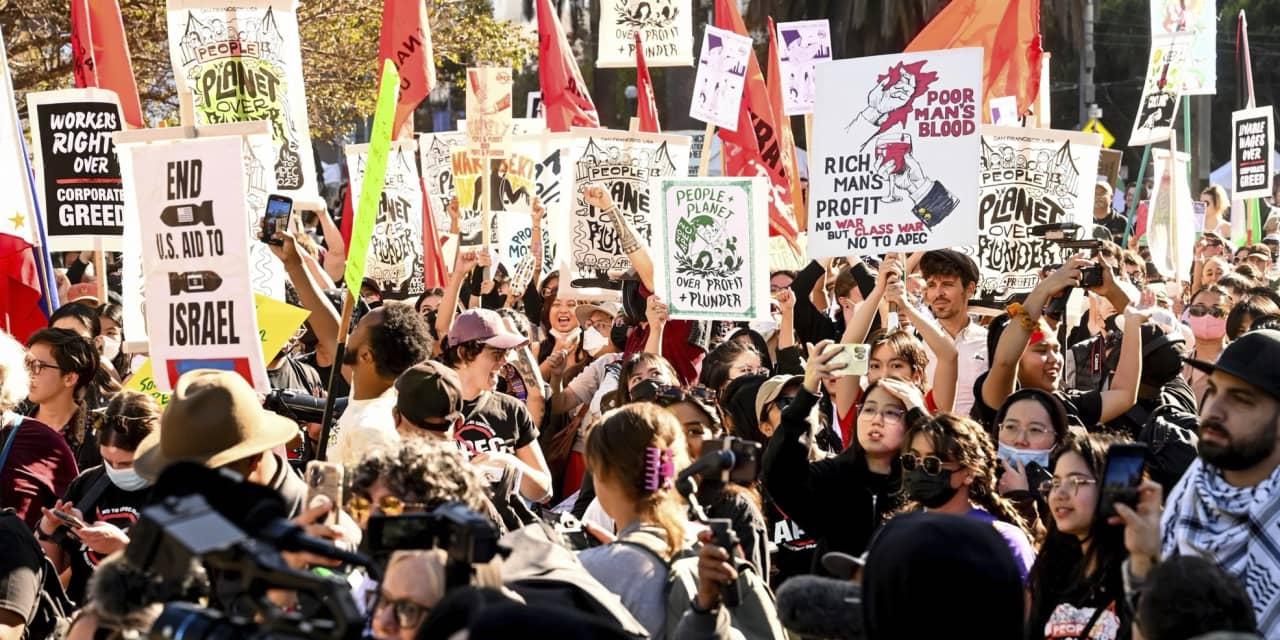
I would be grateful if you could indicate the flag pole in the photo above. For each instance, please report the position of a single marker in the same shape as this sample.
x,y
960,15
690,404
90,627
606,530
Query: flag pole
x,y
100,269
339,354
705,160
1137,194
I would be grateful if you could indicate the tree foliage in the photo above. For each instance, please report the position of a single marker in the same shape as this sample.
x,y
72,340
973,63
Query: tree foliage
x,y
339,47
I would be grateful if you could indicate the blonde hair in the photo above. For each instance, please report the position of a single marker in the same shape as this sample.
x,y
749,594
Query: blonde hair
x,y
432,562
616,449
14,379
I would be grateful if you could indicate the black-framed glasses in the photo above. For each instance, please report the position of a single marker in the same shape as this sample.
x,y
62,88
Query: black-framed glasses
x,y
36,367
1071,484
1198,310
408,613
931,465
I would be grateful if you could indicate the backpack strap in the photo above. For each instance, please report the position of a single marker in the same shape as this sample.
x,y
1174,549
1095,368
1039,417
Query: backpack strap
x,y
8,442
646,540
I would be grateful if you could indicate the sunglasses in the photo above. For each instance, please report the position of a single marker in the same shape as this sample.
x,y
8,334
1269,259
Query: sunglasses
x,y
932,465
1200,310
361,506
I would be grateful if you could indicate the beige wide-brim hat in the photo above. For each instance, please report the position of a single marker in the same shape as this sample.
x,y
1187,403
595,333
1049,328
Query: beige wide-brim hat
x,y
213,417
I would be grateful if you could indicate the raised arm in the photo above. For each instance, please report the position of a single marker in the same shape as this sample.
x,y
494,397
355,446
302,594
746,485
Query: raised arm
x,y
335,257
848,388
1123,392
946,369
324,318
449,303
656,315
631,243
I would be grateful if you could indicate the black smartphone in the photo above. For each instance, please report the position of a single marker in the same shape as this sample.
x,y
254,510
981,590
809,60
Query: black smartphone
x,y
276,219
1091,276
1121,477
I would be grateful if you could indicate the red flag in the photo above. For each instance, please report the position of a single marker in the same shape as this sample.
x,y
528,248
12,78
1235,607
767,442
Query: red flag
x,y
406,41
434,273
100,54
786,141
755,149
565,101
348,215
1010,35
646,105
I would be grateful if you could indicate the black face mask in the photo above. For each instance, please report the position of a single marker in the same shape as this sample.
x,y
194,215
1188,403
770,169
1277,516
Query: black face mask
x,y
930,491
618,336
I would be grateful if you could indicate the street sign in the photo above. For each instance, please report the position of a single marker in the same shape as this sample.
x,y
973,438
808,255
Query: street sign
x,y
1095,125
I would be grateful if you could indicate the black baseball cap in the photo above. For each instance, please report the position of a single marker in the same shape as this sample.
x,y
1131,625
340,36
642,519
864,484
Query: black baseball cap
x,y
1252,357
429,395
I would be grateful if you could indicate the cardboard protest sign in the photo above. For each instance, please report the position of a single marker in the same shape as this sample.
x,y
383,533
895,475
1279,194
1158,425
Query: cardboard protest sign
x,y
189,195
711,251
77,174
437,172
1029,177
1198,18
240,61
801,46
266,271
1253,136
1109,161
665,26
489,128
623,164
889,136
1161,89
395,259
1170,221
722,71
531,169
277,323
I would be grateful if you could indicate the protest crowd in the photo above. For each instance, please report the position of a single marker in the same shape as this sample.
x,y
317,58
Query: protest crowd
x,y
911,396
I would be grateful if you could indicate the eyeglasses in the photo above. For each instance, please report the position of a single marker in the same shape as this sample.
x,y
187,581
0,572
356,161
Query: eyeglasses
x,y
1071,484
1198,310
932,465
408,613
888,414
361,506
35,367
1011,431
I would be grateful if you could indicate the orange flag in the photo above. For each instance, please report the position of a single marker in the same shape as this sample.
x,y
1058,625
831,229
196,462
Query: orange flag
x,y
786,140
1009,33
646,105
755,148
406,41
100,54
565,101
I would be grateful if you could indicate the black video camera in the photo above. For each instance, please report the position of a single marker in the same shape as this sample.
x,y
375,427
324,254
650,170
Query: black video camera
x,y
468,538
300,407
1068,235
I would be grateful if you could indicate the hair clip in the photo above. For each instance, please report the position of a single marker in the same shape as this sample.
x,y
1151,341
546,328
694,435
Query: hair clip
x,y
659,468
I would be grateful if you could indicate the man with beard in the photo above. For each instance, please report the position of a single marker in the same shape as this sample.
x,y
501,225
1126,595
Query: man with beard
x,y
950,280
1227,505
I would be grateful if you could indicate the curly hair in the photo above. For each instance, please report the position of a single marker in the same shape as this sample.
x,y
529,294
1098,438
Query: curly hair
x,y
616,449
423,470
400,341
962,441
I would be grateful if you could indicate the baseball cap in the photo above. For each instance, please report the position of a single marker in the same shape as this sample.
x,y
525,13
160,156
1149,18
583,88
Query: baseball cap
x,y
771,389
1252,358
485,326
1272,237
429,395
584,311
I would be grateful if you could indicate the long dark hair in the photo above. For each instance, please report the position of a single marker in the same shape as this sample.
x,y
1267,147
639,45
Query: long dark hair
x,y
115,313
73,353
1061,573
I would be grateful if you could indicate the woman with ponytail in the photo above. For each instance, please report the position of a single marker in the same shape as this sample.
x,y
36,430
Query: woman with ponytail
x,y
949,465
633,454
63,366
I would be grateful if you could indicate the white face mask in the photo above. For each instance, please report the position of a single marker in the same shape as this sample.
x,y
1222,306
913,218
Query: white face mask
x,y
593,341
110,347
125,479
766,328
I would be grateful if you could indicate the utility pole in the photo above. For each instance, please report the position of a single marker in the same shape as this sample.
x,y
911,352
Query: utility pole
x,y
1088,101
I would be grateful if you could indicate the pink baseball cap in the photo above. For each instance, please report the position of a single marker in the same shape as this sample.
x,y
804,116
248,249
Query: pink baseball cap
x,y
485,326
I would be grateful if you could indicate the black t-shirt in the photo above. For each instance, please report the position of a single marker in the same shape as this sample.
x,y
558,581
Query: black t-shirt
x,y
792,549
1115,223
21,564
113,505
299,376
341,388
1084,408
494,422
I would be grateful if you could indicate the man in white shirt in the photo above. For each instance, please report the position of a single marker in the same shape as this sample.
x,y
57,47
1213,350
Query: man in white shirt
x,y
951,278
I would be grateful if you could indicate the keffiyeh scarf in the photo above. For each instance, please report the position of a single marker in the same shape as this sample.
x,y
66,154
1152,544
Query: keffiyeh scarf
x,y
1237,527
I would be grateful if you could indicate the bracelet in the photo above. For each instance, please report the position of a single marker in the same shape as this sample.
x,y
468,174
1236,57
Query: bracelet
x,y
45,537
1016,310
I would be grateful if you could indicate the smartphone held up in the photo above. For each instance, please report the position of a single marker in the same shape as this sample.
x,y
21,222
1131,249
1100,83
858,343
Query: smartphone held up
x,y
277,218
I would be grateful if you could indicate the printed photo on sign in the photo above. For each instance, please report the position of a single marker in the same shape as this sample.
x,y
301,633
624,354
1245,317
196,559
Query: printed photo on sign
x,y
1197,17
240,62
1253,137
722,70
801,46
489,128
1161,89
1029,177
76,170
887,131
665,26
712,253
395,258
199,303
623,164
434,151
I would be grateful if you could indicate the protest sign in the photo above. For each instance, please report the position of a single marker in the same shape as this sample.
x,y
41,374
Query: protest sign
x,y
1004,111
489,127
1170,219
1161,89
77,174
533,105
266,271
711,254
437,172
519,126
889,134
514,234
1029,177
368,201
240,61
1253,136
277,323
623,164
722,70
1109,161
532,168
782,257
802,45
395,259
189,195
665,26
1200,19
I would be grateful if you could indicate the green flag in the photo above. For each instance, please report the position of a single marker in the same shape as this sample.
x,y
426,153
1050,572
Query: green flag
x,y
375,171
